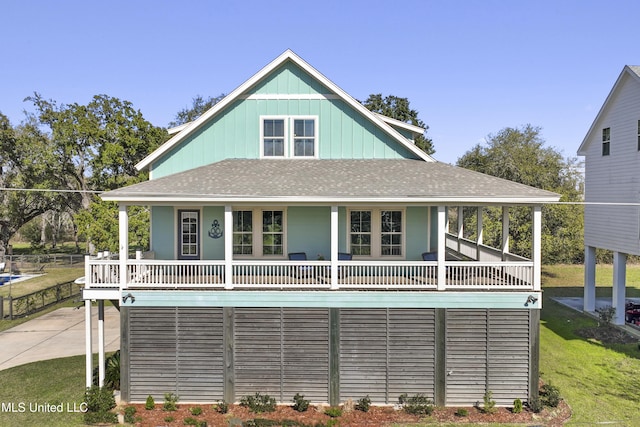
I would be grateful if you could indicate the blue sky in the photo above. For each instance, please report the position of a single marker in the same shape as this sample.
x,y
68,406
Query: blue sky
x,y
470,68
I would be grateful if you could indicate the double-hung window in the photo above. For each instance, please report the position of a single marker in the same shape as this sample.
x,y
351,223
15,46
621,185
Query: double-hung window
x,y
376,232
606,141
259,232
289,136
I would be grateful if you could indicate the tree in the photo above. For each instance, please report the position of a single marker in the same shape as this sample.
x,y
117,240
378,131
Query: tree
x,y
399,109
26,164
199,105
97,147
518,154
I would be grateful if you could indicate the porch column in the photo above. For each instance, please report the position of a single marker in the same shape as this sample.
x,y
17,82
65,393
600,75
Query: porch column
x,y
479,232
123,228
228,247
460,227
505,232
536,245
101,342
619,283
334,247
88,344
442,271
589,279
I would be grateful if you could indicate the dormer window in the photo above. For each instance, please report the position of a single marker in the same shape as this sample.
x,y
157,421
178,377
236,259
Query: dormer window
x,y
289,136
606,141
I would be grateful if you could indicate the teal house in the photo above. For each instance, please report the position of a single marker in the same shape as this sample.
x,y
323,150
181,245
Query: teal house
x,y
303,244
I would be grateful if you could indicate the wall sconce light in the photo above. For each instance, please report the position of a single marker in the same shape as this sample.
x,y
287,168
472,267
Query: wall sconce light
x,y
530,300
127,296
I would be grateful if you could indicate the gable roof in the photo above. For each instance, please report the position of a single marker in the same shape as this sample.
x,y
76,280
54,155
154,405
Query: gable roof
x,y
288,55
330,180
632,71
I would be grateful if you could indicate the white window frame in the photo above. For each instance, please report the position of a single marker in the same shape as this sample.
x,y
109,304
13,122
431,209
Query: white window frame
x,y
606,141
178,221
256,228
376,233
289,137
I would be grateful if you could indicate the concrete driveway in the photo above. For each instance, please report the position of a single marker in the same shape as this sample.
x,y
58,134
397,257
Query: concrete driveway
x,y
56,334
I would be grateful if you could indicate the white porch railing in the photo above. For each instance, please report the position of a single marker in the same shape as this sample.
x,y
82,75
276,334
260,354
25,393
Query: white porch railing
x,y
312,275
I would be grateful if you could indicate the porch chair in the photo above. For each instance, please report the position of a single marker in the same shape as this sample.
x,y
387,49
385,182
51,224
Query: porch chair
x,y
430,256
300,270
343,256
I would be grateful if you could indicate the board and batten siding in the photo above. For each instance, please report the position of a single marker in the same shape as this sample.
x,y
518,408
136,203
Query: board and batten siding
x,y
487,350
616,177
342,132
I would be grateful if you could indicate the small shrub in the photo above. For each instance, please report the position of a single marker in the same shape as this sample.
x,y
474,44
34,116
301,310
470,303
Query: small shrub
x,y
333,423
150,403
363,404
550,395
170,402
190,421
300,404
517,406
535,405
129,413
488,405
221,407
100,402
169,419
196,410
461,412
333,411
259,403
418,404
606,315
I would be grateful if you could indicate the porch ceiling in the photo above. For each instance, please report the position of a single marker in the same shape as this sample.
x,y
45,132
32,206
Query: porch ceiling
x,y
302,180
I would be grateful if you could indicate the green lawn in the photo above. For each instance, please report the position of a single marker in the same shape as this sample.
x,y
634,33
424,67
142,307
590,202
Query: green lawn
x,y
600,382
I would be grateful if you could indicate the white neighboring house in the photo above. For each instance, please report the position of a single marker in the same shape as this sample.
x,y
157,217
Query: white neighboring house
x,y
612,186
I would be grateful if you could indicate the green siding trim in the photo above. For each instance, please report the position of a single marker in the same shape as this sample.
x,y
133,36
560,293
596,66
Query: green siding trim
x,y
163,235
289,79
212,248
331,299
417,232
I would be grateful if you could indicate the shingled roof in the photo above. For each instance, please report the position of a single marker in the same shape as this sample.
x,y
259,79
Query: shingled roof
x,y
314,180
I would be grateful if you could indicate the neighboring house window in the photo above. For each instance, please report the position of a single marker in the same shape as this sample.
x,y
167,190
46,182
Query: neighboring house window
x,y
606,141
188,234
289,136
273,137
258,232
376,233
243,233
304,137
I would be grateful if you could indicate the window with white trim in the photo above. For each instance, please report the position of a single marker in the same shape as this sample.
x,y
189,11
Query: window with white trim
x,y
606,141
258,232
376,232
289,136
189,234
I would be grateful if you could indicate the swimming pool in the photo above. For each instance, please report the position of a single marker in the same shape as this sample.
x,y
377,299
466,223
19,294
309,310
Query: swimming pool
x,y
5,278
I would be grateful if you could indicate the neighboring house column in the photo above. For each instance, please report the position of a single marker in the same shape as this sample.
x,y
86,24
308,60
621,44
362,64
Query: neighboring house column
x,y
619,283
334,247
228,247
88,343
505,232
536,246
589,304
442,223
479,232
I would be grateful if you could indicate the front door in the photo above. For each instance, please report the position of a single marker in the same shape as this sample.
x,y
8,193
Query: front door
x,y
188,234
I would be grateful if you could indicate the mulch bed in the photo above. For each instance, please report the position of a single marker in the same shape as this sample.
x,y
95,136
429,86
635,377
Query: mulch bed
x,y
315,416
